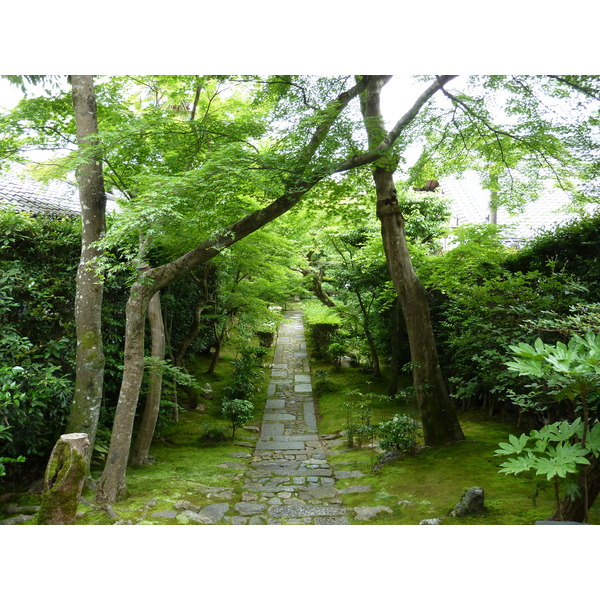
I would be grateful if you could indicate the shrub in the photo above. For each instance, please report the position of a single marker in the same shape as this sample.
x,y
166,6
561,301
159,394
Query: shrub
x,y
238,411
211,435
399,433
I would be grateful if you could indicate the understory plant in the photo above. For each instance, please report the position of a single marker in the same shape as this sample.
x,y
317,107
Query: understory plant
x,y
399,433
572,374
555,451
238,411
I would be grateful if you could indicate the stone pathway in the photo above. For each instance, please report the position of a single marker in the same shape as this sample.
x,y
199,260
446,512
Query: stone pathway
x,y
290,480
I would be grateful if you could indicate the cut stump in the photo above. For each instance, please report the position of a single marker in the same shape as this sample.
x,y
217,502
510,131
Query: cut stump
x,y
64,479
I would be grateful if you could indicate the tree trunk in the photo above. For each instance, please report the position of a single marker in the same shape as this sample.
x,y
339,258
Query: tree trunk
x,y
63,481
575,510
369,337
141,448
111,484
219,338
395,317
438,414
87,398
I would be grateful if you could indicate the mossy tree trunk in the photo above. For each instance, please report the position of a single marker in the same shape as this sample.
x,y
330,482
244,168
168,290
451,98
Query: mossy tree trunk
x,y
87,397
438,414
64,479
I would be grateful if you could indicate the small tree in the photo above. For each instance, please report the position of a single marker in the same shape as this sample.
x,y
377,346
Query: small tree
x,y
238,412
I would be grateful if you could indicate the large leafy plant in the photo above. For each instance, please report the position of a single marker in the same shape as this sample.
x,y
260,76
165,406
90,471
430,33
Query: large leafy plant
x,y
555,452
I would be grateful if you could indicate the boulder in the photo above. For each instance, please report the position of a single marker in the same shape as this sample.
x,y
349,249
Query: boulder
x,y
430,522
207,392
470,504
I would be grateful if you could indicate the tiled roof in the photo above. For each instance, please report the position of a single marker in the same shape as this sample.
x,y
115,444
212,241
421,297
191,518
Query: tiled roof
x,y
470,204
54,198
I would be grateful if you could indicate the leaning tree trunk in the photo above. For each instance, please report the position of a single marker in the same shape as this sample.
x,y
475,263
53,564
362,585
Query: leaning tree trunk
x,y
438,414
87,398
63,481
145,434
111,484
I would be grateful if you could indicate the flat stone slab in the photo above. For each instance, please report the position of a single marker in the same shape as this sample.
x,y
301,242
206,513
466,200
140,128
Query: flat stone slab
x,y
278,417
306,510
348,474
365,513
303,387
269,430
214,512
247,509
232,465
302,378
356,489
265,445
318,493
279,373
307,437
331,521
274,403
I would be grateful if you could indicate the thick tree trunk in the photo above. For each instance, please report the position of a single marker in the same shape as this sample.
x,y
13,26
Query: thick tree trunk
x,y
574,510
145,434
87,398
438,414
63,481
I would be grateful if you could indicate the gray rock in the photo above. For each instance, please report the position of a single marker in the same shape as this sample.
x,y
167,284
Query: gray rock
x,y
215,512
302,510
560,523
256,520
185,505
347,474
470,504
405,503
365,513
17,520
318,493
195,517
249,508
430,522
207,392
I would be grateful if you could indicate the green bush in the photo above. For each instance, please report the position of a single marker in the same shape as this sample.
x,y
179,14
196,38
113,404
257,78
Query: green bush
x,y
399,433
238,412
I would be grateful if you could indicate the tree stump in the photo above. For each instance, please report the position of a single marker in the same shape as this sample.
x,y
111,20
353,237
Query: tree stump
x,y
64,479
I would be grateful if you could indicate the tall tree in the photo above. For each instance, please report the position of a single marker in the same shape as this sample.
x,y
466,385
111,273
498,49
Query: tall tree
x,y
304,169
440,422
87,397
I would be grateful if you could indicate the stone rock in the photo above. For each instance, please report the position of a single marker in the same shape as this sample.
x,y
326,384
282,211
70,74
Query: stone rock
x,y
318,493
195,517
251,428
249,508
470,504
214,512
207,392
430,522
405,503
240,455
256,520
348,474
165,514
185,505
365,513
17,520
232,465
